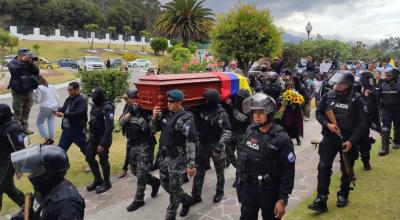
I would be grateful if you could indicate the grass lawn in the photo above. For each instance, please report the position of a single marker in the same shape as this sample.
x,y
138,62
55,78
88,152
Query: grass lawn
x,y
62,77
76,172
376,195
55,50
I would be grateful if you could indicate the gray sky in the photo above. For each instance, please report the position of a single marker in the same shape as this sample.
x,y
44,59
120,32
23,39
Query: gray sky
x,y
352,19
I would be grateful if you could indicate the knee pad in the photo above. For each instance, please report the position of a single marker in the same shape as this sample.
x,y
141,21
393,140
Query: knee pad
x,y
323,168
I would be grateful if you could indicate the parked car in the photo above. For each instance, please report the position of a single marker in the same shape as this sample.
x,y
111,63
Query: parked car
x,y
68,62
91,63
139,63
116,62
44,63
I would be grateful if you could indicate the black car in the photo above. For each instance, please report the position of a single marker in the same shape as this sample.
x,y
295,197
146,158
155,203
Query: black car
x,y
68,62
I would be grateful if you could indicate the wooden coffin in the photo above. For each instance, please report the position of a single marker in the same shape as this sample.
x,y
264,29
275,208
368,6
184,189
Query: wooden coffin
x,y
153,89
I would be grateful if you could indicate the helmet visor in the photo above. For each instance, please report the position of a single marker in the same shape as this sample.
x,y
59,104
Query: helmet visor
x,y
340,78
28,160
258,101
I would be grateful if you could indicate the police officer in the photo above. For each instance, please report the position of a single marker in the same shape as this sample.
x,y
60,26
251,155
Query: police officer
x,y
273,86
101,126
11,140
351,116
389,95
178,147
323,89
54,197
266,163
239,122
255,85
214,134
141,142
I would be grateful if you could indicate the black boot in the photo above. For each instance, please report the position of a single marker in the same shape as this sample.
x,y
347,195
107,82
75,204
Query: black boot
x,y
107,184
103,188
341,201
96,183
134,206
319,204
396,138
186,206
218,196
385,143
155,187
196,199
367,165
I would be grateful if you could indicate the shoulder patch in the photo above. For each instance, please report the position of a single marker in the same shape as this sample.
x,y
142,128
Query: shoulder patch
x,y
291,157
21,138
112,116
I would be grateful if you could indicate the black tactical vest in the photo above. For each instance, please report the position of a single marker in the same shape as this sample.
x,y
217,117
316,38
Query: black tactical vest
x,y
390,93
209,130
169,137
259,154
97,124
343,108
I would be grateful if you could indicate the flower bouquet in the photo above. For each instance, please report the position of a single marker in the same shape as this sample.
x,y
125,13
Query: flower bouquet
x,y
289,98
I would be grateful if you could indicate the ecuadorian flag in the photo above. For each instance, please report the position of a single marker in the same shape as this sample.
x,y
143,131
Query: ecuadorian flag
x,y
389,66
231,83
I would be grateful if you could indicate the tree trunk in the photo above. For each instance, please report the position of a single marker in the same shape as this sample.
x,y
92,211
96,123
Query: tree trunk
x,y
91,46
2,58
185,42
109,43
125,42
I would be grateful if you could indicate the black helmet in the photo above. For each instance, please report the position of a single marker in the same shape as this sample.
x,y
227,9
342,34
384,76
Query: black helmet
x,y
98,96
243,93
342,77
394,73
272,76
132,93
259,101
47,165
212,95
5,113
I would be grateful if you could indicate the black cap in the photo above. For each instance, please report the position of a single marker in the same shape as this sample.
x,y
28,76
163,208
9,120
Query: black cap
x,y
24,51
175,95
132,93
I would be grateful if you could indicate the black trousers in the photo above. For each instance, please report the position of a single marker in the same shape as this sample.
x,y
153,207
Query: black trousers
x,y
254,198
127,157
364,147
328,149
91,153
7,185
390,115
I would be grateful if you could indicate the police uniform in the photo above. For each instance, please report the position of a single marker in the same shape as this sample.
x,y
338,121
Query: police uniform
x,y
214,134
11,140
101,126
389,95
266,164
351,116
54,197
141,142
177,152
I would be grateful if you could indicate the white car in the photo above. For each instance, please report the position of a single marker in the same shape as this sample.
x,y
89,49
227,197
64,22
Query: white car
x,y
91,63
139,63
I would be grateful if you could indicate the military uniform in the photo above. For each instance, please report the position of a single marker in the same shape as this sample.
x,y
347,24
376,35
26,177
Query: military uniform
x,y
177,149
141,142
214,134
11,140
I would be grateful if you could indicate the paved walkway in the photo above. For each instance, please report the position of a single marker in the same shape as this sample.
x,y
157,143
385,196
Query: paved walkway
x,y
113,204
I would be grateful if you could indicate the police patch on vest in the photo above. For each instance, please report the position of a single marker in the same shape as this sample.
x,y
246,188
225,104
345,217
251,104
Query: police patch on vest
x,y
291,158
186,130
21,138
112,116
253,144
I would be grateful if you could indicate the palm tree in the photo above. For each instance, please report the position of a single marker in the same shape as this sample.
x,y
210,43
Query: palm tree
x,y
185,19
90,28
111,30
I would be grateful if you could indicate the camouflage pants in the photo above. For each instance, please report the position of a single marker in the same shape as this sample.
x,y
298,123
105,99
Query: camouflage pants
x,y
141,160
232,147
202,157
171,170
22,104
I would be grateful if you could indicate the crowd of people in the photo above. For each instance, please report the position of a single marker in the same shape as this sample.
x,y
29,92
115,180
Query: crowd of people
x,y
252,130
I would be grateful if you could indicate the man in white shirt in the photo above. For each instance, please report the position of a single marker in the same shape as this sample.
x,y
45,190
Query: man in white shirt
x,y
325,66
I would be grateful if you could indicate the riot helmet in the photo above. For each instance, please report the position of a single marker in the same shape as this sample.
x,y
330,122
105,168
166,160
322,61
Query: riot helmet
x,y
344,77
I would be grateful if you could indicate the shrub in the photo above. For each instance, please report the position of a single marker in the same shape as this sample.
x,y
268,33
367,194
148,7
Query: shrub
x,y
168,65
113,81
181,54
159,44
196,68
129,57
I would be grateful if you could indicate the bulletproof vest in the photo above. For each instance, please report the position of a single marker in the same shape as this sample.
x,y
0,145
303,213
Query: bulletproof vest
x,y
343,108
97,122
169,136
6,147
259,154
273,90
209,130
390,93
44,207
134,130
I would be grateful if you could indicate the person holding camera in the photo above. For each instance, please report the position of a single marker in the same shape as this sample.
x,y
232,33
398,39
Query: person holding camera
x,y
22,83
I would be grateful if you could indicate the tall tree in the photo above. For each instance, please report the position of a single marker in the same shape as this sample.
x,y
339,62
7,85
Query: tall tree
x,y
127,30
14,41
184,18
111,31
118,16
246,35
89,28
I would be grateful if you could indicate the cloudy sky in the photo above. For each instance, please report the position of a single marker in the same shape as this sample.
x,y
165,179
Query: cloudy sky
x,y
351,19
